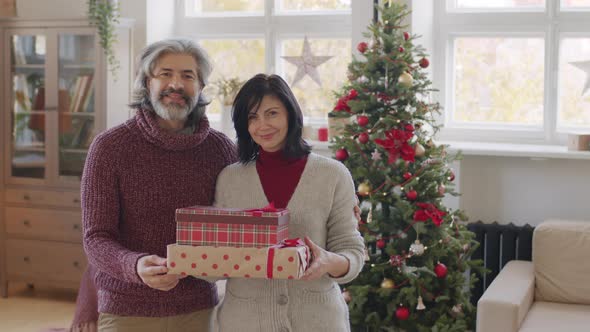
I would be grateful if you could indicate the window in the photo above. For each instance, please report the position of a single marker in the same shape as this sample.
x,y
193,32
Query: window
x,y
249,37
513,70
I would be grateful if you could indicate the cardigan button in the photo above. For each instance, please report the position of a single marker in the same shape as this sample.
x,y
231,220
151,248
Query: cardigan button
x,y
283,299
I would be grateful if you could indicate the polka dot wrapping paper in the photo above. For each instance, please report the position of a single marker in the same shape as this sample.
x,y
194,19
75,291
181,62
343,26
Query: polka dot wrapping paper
x,y
235,262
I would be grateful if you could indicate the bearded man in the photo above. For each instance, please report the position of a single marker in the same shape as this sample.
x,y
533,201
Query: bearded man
x,y
135,176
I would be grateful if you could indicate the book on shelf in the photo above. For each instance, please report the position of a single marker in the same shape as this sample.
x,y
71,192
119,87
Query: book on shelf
x,y
22,97
84,131
18,53
82,89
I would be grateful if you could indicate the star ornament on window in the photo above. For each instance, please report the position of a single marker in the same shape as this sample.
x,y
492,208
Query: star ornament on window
x,y
306,64
585,66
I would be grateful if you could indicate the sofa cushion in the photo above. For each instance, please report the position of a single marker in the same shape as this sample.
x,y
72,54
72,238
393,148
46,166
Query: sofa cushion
x,y
560,258
551,317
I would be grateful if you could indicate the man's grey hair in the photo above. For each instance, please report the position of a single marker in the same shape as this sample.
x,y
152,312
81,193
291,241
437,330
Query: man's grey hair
x,y
147,62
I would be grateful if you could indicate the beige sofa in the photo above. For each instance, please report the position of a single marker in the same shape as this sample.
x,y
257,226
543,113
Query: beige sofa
x,y
549,294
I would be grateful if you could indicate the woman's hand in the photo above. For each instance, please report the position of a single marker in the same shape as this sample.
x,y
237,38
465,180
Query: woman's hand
x,y
324,262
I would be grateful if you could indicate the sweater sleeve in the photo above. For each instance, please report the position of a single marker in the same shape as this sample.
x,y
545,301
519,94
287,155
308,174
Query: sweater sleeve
x,y
100,215
343,236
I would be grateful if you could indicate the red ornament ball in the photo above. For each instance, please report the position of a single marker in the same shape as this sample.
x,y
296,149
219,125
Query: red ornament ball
x,y
362,120
401,49
364,138
440,270
362,47
412,195
424,63
380,244
407,175
406,35
341,154
402,313
452,176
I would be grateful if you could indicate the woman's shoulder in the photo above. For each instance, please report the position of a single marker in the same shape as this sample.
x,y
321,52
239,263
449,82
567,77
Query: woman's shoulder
x,y
233,171
328,165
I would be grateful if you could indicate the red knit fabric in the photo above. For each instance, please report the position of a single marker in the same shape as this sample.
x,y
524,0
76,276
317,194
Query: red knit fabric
x,y
279,176
135,176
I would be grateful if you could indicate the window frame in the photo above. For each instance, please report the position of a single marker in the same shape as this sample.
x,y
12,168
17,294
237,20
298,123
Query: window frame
x,y
549,22
273,27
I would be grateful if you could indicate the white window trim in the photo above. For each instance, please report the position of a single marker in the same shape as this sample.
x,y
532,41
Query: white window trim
x,y
274,27
551,23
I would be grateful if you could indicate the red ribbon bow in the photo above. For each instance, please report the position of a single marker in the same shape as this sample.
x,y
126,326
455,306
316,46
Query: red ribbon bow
x,y
258,212
286,243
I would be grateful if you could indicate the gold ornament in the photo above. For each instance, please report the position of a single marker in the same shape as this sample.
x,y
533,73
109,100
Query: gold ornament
x,y
419,150
405,80
417,248
431,143
364,189
420,305
387,283
370,215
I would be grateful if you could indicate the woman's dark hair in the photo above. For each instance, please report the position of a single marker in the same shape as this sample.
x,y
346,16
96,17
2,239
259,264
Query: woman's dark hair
x,y
249,98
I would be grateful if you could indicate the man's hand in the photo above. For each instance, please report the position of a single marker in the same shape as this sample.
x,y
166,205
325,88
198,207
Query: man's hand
x,y
152,271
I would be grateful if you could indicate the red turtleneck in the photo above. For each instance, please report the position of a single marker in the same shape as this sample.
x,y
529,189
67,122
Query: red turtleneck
x,y
279,175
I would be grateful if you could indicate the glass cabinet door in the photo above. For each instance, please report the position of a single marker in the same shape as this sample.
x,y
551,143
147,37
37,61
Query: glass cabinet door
x,y
75,95
28,120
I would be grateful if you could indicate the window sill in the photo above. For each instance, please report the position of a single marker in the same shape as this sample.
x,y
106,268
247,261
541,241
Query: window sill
x,y
516,150
492,149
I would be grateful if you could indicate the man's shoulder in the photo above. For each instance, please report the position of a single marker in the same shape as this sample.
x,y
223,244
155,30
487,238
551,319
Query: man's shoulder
x,y
114,135
222,144
219,137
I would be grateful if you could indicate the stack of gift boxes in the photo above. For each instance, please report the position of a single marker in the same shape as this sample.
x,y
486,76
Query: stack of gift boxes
x,y
234,243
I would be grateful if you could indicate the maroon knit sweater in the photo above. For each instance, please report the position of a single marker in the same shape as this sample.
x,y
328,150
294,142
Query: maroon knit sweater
x,y
279,176
136,175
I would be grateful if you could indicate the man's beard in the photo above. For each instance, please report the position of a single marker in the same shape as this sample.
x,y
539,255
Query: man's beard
x,y
173,111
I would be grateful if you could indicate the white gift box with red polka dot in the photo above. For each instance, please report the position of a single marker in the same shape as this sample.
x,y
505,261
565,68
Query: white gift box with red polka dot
x,y
268,263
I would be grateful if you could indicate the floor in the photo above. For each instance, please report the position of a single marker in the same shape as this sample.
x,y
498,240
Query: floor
x,y
32,310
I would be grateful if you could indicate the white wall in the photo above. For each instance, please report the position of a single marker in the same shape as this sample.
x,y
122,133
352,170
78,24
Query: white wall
x,y
521,190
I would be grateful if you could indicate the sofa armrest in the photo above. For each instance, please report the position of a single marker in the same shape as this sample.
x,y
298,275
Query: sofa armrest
x,y
507,300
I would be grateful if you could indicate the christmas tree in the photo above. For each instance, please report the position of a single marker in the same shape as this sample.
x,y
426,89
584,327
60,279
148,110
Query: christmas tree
x,y
415,275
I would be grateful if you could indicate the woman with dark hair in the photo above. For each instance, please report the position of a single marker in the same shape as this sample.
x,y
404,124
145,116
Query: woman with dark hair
x,y
276,166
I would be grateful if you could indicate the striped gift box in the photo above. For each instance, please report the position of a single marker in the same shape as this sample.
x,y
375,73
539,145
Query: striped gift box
x,y
226,227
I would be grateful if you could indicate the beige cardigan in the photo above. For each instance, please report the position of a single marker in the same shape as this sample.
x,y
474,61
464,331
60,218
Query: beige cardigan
x,y
322,208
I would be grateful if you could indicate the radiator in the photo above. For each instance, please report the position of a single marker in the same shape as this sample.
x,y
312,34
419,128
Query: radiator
x,y
499,244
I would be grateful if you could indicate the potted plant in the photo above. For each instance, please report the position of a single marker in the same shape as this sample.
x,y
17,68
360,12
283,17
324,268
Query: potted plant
x,y
226,92
227,89
104,14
